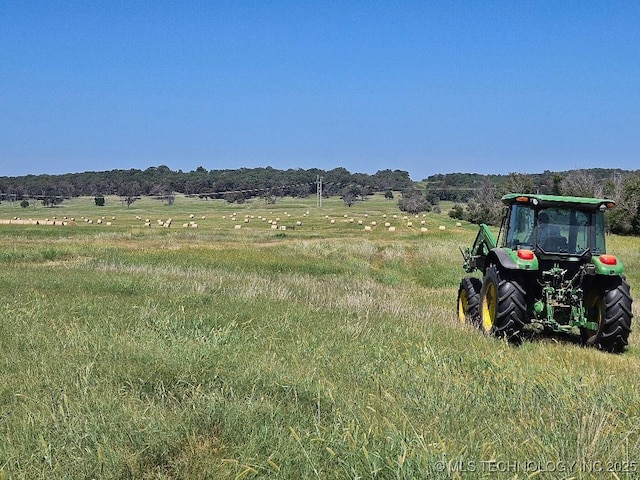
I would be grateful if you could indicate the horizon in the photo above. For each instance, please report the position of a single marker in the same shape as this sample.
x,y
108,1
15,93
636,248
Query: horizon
x,y
316,168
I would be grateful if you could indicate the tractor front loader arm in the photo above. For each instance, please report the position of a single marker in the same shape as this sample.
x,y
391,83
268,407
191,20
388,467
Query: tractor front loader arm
x,y
474,257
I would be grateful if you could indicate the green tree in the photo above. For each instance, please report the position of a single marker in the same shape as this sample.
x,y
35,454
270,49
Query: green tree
x,y
413,201
51,201
484,206
625,217
234,197
581,183
128,200
351,194
519,183
457,211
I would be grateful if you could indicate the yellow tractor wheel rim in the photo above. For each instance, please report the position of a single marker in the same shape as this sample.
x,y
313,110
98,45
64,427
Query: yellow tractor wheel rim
x,y
462,306
489,307
594,311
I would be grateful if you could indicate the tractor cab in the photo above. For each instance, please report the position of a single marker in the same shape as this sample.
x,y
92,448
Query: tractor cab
x,y
558,226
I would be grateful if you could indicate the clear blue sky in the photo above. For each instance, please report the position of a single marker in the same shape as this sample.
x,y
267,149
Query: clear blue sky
x,y
424,86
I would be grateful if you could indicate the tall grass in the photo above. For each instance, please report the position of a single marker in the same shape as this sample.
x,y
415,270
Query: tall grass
x,y
319,352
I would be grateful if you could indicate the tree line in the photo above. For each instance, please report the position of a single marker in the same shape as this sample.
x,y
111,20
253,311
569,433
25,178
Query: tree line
x,y
482,204
460,187
234,185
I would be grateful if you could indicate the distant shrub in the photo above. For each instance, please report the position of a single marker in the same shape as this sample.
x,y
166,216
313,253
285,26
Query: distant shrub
x,y
457,211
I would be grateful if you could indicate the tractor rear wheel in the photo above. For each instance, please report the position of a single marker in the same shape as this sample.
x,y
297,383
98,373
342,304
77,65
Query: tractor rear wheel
x,y
610,309
469,301
503,306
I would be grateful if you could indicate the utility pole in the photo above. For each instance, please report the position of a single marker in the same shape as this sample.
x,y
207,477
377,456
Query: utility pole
x,y
318,191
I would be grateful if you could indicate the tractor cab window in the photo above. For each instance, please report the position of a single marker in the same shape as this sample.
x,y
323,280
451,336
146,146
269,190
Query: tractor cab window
x,y
563,230
520,233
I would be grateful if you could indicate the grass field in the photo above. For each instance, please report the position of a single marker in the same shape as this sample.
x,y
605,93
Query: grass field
x,y
319,351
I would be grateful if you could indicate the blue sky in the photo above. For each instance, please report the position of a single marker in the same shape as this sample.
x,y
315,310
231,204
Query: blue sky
x,y
423,86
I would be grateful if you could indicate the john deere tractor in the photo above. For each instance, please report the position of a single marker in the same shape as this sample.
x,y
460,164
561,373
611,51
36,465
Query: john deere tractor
x,y
547,270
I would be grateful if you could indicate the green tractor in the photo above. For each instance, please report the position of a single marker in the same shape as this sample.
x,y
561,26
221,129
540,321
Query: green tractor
x,y
547,270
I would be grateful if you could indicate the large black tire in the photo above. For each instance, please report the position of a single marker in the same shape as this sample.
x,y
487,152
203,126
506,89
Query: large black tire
x,y
609,307
503,306
469,301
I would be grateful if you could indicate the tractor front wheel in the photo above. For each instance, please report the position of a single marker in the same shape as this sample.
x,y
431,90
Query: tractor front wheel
x,y
610,309
469,301
502,306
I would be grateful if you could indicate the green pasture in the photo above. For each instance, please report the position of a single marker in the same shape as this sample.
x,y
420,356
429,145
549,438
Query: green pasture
x,y
317,351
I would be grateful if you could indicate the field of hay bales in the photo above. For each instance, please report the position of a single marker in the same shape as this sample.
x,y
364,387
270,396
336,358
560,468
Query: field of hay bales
x,y
283,341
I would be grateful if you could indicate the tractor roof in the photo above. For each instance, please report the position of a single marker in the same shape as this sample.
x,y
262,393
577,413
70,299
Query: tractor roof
x,y
583,203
